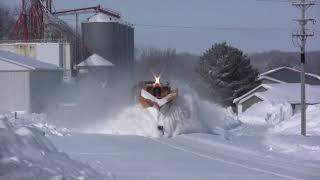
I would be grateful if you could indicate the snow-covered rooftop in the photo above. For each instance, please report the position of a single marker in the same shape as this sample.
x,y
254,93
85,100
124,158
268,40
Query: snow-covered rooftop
x,y
287,68
100,17
290,92
95,60
284,92
25,62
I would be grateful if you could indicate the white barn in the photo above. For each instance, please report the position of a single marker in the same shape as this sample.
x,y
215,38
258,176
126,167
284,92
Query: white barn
x,y
26,84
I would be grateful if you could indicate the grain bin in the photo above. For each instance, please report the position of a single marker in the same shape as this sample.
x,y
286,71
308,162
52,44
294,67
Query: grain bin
x,y
110,38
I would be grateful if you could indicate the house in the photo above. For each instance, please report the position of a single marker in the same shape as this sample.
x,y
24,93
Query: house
x,y
26,84
281,85
287,75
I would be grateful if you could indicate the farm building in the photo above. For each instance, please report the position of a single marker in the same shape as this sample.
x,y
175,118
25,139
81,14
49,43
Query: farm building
x,y
281,85
26,84
96,68
56,53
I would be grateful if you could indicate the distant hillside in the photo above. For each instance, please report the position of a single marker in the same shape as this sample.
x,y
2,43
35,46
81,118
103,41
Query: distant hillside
x,y
269,60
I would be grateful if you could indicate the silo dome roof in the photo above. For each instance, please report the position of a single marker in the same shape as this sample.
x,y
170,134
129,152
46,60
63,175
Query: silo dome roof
x,y
100,17
95,60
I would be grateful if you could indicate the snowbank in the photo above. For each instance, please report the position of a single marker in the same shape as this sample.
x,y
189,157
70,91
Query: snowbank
x,y
189,114
37,121
25,153
282,129
267,113
292,125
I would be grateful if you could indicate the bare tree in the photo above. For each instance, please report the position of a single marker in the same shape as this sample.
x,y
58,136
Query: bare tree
x,y
155,61
7,20
167,62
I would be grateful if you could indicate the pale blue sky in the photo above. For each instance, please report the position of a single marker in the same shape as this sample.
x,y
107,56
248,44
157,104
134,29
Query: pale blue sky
x,y
213,13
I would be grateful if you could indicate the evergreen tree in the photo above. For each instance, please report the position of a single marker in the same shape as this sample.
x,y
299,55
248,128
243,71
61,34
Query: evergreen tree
x,y
227,71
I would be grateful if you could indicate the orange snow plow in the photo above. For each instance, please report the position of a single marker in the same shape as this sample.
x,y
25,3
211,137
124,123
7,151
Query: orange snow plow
x,y
155,94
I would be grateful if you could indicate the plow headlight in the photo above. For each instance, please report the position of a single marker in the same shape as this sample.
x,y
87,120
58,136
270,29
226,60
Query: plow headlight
x,y
157,79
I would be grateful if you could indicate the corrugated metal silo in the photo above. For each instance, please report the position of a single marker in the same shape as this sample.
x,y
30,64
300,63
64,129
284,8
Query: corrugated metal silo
x,y
111,39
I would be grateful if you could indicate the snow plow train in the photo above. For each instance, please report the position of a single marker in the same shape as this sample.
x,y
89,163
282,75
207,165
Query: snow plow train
x,y
153,94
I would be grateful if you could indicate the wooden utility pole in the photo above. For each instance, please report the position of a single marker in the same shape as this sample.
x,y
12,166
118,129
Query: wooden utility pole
x,y
301,36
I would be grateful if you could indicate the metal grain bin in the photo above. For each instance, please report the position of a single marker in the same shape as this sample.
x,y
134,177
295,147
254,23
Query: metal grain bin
x,y
111,39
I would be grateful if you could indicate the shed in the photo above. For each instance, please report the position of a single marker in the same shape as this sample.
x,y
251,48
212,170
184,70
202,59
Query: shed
x,y
96,68
281,92
95,61
26,84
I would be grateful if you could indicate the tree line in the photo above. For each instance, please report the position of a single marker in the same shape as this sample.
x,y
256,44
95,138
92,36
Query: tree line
x,y
222,73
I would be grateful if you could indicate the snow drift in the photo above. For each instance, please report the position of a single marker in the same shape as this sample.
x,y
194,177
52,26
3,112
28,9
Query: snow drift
x,y
292,125
281,118
267,113
189,114
26,153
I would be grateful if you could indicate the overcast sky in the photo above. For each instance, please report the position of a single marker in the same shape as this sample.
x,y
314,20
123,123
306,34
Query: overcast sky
x,y
246,22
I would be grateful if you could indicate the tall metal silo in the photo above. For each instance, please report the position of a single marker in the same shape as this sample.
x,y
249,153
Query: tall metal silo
x,y
111,39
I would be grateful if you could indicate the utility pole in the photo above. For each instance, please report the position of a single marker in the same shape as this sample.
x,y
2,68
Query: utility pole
x,y
75,59
301,35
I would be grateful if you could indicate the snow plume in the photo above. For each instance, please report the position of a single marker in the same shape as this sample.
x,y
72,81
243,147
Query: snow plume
x,y
189,114
82,102
94,106
26,153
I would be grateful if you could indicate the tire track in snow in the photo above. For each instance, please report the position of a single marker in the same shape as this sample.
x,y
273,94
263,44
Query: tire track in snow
x,y
203,155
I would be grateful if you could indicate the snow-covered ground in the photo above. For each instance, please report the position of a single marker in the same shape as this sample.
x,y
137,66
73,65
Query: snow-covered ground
x,y
207,142
202,141
194,156
26,153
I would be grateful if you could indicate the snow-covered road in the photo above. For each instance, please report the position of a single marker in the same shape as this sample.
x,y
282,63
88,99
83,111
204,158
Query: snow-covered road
x,y
195,156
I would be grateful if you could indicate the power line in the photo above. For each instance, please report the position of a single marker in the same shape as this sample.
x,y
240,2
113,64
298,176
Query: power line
x,y
285,1
201,27
218,28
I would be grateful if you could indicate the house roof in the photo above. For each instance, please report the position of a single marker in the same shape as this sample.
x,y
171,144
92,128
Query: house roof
x,y
250,92
287,68
25,62
270,79
95,61
284,92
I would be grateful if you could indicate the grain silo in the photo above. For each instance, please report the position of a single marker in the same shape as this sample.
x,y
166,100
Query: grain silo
x,y
110,38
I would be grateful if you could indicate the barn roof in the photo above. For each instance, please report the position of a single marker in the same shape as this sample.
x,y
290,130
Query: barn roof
x,y
286,68
26,62
284,92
